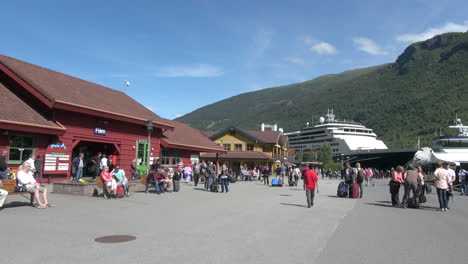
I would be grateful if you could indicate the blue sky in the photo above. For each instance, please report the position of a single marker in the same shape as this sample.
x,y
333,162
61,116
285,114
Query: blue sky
x,y
182,55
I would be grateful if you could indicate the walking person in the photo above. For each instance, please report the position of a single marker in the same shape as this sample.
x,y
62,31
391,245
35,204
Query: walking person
x,y
38,166
210,175
462,178
223,177
412,181
266,176
442,184
176,180
360,178
395,182
187,173
452,177
310,184
296,175
196,172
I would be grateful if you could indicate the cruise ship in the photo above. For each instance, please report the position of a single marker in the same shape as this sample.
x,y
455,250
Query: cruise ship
x,y
342,136
350,141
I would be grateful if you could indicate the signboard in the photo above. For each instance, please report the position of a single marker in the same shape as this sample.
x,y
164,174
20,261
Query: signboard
x,y
56,159
100,131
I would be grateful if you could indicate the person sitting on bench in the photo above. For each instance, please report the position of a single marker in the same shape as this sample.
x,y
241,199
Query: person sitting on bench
x,y
108,180
26,178
3,196
120,178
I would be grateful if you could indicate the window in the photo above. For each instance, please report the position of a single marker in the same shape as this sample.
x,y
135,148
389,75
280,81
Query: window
x,y
238,147
175,157
250,147
227,147
165,157
21,147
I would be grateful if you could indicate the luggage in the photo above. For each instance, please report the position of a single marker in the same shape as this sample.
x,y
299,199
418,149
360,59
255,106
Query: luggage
x,y
342,190
354,191
274,182
280,183
413,203
176,184
120,191
214,187
291,183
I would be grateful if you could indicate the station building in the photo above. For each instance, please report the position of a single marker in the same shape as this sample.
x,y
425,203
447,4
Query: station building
x,y
57,116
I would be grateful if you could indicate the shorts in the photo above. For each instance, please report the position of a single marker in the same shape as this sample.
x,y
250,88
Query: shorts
x,y
36,188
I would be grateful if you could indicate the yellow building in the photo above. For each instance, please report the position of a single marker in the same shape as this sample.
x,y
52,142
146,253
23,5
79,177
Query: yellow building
x,y
248,148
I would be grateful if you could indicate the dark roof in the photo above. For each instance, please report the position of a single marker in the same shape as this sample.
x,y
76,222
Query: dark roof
x,y
62,88
257,135
243,155
208,133
266,136
14,111
184,136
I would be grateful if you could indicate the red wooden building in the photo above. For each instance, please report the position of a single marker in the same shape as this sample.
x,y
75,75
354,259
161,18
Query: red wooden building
x,y
57,116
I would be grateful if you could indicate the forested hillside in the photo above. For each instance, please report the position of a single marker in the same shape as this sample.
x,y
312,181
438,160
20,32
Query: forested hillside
x,y
414,97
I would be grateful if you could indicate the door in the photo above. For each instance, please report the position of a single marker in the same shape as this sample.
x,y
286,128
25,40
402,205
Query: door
x,y
142,155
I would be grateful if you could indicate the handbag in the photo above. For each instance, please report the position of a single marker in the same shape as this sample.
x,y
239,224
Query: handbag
x,y
21,188
422,198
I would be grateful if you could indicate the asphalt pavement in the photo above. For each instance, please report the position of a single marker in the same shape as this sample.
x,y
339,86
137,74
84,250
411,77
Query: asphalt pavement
x,y
252,223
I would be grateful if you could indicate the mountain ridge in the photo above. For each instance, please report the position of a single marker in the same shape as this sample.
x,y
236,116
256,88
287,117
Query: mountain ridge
x,y
402,101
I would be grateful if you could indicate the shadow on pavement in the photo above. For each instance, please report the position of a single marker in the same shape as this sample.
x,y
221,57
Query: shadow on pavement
x,y
295,189
297,205
200,189
285,195
387,204
17,204
336,196
379,204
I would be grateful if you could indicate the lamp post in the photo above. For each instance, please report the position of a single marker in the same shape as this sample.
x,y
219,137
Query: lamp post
x,y
342,160
149,128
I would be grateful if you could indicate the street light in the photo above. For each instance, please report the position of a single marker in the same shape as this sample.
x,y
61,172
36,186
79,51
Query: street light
x,y
149,128
342,160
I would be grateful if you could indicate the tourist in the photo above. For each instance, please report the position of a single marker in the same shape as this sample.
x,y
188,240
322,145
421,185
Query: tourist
x,y
203,172
256,173
360,176
187,173
310,184
412,183
296,175
103,163
38,166
25,178
196,172
109,182
176,180
395,182
282,172
134,169
442,182
78,164
120,178
3,196
452,177
368,172
3,165
210,175
95,165
348,173
224,179
266,175
462,178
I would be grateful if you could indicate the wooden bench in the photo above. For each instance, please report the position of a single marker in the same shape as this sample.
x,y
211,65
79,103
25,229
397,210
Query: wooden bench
x,y
9,186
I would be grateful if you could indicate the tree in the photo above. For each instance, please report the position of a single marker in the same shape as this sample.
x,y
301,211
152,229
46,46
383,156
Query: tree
x,y
299,156
325,155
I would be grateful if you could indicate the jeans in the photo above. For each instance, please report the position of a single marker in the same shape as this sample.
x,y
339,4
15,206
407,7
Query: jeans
x,y
266,180
3,174
209,182
196,177
224,184
410,187
310,197
39,176
442,195
463,187
124,184
361,189
79,173
395,192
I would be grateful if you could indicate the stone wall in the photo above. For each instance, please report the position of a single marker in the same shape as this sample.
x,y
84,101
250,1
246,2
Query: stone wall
x,y
87,189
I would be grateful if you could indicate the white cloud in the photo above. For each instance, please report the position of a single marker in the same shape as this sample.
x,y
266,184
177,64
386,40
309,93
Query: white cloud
x,y
431,32
294,60
191,70
369,46
320,47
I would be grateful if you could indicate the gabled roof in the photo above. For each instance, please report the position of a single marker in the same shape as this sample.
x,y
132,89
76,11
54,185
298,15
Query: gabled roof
x,y
208,133
15,112
58,90
244,155
271,137
186,137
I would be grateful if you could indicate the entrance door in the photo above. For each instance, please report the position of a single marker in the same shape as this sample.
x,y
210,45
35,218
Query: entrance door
x,y
142,155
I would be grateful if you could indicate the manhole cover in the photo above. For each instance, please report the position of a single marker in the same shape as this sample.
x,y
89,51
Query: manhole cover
x,y
114,239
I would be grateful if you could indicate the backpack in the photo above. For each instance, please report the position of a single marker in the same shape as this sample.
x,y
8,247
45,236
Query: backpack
x,y
360,176
413,203
120,192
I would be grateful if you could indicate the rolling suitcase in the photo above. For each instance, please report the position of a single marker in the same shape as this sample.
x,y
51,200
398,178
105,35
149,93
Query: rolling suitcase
x,y
274,182
342,190
354,191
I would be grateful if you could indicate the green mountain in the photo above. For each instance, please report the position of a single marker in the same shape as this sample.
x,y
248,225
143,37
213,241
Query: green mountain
x,y
416,96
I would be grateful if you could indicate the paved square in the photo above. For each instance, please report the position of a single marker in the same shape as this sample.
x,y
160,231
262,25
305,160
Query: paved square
x,y
250,224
